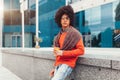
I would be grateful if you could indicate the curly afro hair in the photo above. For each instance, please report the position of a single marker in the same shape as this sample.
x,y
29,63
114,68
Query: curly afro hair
x,y
68,10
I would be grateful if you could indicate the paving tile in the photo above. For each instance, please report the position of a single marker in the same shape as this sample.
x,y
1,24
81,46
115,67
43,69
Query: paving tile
x,y
7,75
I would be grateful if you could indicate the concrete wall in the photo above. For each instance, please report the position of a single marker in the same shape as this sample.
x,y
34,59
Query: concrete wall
x,y
0,58
35,64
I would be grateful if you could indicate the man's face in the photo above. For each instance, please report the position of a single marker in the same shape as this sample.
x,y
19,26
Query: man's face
x,y
65,21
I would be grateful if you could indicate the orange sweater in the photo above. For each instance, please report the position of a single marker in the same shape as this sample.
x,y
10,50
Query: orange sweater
x,y
69,57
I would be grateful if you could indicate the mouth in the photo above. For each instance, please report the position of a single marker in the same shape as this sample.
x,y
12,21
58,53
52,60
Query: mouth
x,y
64,23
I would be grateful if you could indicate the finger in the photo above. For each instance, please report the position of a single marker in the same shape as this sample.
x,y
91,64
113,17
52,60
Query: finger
x,y
51,73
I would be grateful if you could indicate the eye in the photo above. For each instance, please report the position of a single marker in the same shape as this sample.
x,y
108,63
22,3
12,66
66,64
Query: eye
x,y
67,18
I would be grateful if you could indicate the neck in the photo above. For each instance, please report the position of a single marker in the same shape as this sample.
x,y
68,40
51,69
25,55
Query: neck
x,y
63,28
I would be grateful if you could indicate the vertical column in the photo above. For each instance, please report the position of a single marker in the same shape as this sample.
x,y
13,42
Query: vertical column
x,y
37,45
66,3
23,35
1,26
23,7
1,22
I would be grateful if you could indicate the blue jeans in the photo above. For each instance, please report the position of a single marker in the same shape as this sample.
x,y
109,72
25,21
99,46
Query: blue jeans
x,y
61,72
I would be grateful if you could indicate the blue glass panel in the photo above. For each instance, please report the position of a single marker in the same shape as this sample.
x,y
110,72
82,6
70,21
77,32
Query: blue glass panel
x,y
14,39
19,41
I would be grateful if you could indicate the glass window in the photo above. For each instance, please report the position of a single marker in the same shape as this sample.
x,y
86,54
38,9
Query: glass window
x,y
116,20
16,41
93,16
47,25
13,25
115,4
102,26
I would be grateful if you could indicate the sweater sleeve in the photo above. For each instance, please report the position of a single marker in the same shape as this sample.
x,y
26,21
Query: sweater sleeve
x,y
75,52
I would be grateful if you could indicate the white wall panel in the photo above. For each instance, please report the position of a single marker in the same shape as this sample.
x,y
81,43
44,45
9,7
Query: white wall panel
x,y
85,4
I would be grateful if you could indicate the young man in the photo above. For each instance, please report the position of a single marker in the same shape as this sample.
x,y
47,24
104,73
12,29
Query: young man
x,y
68,44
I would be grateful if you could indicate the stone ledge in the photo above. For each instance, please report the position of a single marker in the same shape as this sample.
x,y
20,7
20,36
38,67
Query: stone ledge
x,y
115,64
93,56
35,64
18,51
94,62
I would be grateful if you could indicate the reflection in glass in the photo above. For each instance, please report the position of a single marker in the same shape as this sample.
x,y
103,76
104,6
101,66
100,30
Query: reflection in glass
x,y
99,29
116,35
117,11
93,16
12,30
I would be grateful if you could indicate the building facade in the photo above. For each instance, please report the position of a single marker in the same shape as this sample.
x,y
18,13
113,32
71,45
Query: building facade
x,y
12,30
99,25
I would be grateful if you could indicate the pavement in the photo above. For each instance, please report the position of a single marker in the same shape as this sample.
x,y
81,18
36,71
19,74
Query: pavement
x,y
5,74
